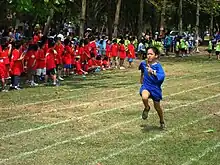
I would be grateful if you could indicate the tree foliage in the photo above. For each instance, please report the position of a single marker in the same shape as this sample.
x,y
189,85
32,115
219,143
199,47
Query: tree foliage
x,y
100,13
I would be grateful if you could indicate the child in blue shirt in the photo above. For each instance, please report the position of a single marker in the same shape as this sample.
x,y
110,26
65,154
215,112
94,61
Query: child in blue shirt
x,y
152,77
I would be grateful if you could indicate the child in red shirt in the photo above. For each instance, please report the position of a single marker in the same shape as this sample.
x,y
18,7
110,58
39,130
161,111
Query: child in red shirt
x,y
50,63
60,50
2,71
105,63
41,61
131,53
92,65
6,52
92,46
122,54
16,66
86,54
99,61
79,70
114,52
109,51
67,57
31,63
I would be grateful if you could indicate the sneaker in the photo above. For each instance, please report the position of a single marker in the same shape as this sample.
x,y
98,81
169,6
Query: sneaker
x,y
162,125
17,88
60,78
145,113
4,90
8,78
33,84
27,82
122,68
56,84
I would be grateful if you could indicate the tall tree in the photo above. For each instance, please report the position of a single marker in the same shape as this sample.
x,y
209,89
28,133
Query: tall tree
x,y
83,18
46,28
162,19
109,18
180,17
140,21
197,24
117,16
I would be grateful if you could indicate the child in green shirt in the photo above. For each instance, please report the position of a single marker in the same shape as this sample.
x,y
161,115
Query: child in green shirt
x,y
218,49
210,48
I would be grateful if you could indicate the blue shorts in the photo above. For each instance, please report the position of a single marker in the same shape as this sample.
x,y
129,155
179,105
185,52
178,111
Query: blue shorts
x,y
130,59
155,95
67,66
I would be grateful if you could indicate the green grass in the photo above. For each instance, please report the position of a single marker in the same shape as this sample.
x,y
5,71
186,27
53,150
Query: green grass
x,y
97,120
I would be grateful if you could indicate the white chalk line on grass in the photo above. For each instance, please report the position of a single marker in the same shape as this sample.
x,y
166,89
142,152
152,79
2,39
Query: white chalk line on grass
x,y
111,127
83,104
150,139
60,109
19,116
208,150
71,97
58,99
92,114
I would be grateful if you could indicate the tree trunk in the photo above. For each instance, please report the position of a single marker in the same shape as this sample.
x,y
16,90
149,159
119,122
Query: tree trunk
x,y
46,28
197,25
153,20
140,21
211,24
83,19
117,15
162,18
109,19
181,17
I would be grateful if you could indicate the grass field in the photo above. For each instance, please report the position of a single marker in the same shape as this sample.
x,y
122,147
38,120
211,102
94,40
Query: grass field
x,y
98,120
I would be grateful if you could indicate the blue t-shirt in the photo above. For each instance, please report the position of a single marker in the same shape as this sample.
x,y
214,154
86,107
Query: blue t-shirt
x,y
150,81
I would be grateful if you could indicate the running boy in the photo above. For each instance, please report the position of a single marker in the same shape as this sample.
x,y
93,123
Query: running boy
x,y
152,77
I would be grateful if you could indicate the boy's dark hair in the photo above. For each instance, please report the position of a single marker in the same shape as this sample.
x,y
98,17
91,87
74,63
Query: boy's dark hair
x,y
4,45
105,58
86,42
155,50
81,42
40,44
17,44
159,39
92,55
66,42
101,41
91,38
131,39
98,58
51,43
43,39
122,42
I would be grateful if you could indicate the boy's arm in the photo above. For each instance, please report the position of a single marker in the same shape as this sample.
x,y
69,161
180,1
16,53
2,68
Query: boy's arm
x,y
142,78
84,72
158,73
142,73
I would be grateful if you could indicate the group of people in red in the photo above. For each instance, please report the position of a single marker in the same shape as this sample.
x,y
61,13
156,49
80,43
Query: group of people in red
x,y
43,58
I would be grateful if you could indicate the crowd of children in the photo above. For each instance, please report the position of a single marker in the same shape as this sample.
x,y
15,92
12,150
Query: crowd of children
x,y
214,46
179,45
42,58
57,57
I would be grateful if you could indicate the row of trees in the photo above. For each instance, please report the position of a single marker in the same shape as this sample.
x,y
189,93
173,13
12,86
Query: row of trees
x,y
115,16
